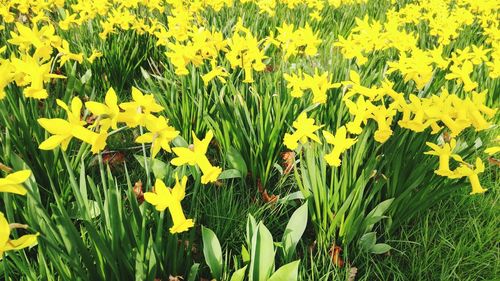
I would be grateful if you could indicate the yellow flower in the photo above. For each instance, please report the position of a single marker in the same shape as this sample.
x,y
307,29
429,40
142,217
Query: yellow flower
x,y
108,112
462,74
64,130
163,198
7,244
244,52
383,116
13,182
95,54
160,134
137,110
217,71
196,156
31,71
305,129
61,131
296,83
319,85
66,54
494,149
361,112
340,143
465,170
444,153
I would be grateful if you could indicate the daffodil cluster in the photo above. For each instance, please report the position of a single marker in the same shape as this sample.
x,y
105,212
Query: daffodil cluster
x,y
319,84
445,153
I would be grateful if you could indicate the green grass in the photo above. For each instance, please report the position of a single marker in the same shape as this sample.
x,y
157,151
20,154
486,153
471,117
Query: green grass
x,y
455,240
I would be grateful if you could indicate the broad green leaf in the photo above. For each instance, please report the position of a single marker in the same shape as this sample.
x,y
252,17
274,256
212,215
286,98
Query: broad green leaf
x,y
229,174
239,274
158,167
244,254
367,241
288,272
212,252
380,248
262,253
193,272
236,161
376,214
294,230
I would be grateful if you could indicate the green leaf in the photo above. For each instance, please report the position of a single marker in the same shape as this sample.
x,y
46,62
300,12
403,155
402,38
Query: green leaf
x,y
291,197
288,272
93,210
229,174
294,230
376,214
212,252
158,167
380,248
236,161
193,272
244,254
239,274
367,241
262,253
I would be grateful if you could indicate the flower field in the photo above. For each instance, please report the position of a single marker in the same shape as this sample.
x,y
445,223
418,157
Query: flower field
x,y
249,140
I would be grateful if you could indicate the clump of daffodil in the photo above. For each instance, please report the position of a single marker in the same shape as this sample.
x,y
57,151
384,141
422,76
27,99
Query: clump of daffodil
x,y
12,183
304,130
164,197
7,244
196,155
340,143
319,84
294,42
244,52
160,134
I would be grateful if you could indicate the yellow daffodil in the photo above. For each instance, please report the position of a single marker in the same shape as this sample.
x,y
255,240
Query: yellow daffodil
x,y
319,85
444,153
463,74
216,72
466,170
108,113
383,116
340,143
361,112
493,149
196,156
31,71
163,198
160,134
64,130
6,244
305,129
13,183
296,83
95,54
137,110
